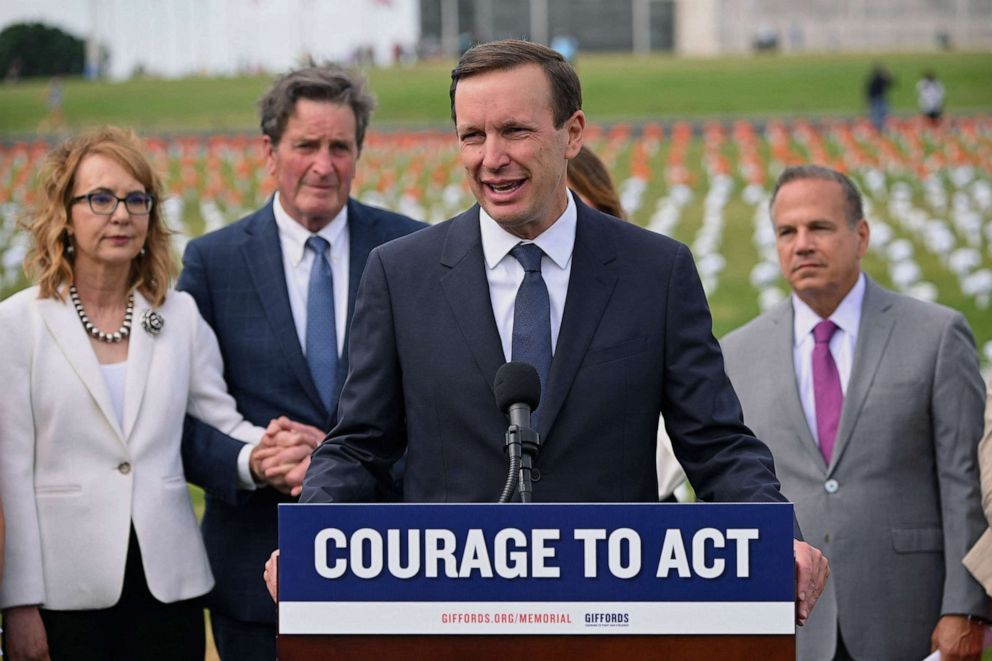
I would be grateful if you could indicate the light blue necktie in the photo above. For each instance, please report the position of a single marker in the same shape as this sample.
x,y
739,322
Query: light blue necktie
x,y
322,343
532,316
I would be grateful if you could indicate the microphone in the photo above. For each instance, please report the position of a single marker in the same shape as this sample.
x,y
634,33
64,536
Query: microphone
x,y
518,392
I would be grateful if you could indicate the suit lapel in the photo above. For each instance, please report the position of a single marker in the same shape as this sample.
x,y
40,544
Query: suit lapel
x,y
64,325
141,348
590,285
467,290
263,257
873,335
781,364
363,237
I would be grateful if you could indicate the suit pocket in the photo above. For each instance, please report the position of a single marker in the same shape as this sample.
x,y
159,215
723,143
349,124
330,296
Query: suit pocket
x,y
58,489
174,481
604,354
917,540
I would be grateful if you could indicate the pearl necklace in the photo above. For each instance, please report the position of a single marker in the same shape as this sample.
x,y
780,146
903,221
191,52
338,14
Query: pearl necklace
x,y
95,332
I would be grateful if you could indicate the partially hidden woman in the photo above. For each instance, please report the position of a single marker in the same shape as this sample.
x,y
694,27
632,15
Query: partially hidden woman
x,y
979,559
99,363
589,178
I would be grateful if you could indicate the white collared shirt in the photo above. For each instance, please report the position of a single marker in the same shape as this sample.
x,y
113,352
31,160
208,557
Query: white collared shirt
x,y
298,261
847,316
505,273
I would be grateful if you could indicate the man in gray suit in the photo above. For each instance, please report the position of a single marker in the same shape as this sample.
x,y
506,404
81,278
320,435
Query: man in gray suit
x,y
871,403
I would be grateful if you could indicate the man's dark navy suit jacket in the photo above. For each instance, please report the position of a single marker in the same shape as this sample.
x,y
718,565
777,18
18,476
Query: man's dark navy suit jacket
x,y
635,341
237,277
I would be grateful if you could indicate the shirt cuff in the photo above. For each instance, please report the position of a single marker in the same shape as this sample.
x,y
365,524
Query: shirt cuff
x,y
246,481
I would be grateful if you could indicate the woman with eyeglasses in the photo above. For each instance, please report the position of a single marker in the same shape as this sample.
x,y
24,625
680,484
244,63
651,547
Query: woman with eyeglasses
x,y
100,362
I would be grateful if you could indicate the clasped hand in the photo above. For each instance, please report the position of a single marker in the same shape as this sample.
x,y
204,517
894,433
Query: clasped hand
x,y
282,456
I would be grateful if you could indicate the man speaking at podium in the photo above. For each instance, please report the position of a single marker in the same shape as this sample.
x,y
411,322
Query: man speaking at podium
x,y
612,316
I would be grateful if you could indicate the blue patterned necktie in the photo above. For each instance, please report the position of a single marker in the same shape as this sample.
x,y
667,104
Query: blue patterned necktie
x,y
532,316
322,343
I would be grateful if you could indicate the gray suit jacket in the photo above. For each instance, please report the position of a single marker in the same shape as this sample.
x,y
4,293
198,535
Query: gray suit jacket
x,y
899,505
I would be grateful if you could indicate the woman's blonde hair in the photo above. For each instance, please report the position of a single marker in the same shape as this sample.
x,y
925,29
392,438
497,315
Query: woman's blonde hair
x,y
588,176
49,262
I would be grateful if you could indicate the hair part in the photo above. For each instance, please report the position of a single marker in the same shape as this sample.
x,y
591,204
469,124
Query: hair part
x,y
566,92
588,176
329,83
48,261
853,208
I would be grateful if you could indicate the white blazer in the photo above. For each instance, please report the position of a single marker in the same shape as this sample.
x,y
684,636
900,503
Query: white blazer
x,y
72,480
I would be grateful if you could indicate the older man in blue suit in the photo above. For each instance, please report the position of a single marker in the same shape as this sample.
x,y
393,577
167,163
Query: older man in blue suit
x,y
613,317
278,287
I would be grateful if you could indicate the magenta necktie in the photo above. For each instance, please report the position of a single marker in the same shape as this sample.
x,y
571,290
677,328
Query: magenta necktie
x,y
827,394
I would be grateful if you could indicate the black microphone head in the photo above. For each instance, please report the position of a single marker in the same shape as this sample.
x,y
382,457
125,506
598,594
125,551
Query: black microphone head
x,y
517,383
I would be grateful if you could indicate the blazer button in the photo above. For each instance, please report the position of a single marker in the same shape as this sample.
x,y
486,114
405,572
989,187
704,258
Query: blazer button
x,y
831,486
124,467
535,475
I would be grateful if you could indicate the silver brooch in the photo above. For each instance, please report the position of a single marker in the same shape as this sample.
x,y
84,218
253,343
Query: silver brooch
x,y
152,322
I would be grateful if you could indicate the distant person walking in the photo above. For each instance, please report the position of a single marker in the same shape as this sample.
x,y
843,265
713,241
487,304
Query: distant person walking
x,y
54,98
930,97
877,91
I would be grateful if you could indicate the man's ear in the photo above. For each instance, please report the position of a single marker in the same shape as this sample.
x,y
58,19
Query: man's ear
x,y
864,233
269,152
574,127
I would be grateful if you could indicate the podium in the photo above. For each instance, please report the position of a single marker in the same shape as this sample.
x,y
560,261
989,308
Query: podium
x,y
541,581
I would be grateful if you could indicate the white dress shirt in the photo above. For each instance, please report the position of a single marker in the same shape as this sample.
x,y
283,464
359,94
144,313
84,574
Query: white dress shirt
x,y
297,262
847,316
505,273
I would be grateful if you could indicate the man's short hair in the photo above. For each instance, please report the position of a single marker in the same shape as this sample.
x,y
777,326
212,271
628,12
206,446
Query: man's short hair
x,y
566,93
853,210
330,83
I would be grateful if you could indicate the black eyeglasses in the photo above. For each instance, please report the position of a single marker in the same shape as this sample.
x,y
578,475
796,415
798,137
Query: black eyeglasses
x,y
105,204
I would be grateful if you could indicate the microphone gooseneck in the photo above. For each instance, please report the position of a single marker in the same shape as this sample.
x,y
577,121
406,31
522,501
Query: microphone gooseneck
x,y
518,393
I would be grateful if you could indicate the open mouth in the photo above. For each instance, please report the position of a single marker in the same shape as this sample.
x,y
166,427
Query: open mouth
x,y
505,187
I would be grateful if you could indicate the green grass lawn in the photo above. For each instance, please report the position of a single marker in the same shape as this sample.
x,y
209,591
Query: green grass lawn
x,y
213,180
616,87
